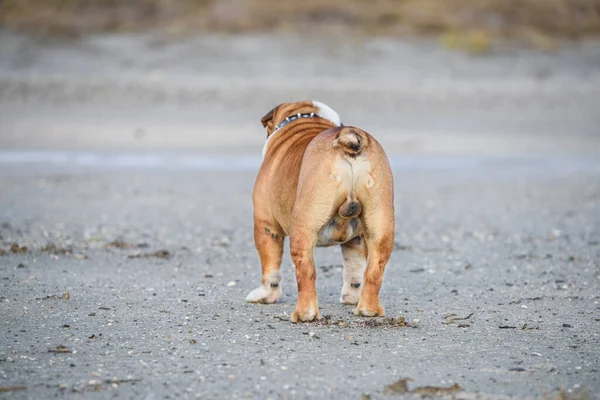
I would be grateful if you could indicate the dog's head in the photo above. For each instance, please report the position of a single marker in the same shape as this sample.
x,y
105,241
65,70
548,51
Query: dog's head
x,y
277,115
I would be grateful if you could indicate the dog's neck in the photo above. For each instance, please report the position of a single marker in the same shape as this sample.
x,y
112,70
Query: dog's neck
x,y
324,111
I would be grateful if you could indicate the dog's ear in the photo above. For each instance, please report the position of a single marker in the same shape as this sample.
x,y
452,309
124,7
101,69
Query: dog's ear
x,y
268,117
267,120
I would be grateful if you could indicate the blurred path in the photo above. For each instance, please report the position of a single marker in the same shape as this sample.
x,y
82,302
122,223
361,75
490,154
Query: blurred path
x,y
208,93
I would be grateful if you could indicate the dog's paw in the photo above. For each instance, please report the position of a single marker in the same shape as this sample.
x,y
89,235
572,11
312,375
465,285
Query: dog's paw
x,y
307,315
364,311
350,294
264,295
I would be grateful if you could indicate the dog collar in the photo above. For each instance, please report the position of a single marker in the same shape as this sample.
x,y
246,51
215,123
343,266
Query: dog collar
x,y
287,120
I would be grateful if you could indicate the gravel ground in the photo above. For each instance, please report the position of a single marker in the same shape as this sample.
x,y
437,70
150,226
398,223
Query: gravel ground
x,y
513,251
126,169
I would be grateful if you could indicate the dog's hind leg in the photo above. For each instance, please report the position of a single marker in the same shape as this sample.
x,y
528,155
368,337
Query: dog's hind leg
x,y
376,195
302,244
308,218
355,259
269,243
379,237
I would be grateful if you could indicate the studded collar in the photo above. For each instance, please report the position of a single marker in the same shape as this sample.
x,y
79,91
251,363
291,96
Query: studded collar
x,y
287,120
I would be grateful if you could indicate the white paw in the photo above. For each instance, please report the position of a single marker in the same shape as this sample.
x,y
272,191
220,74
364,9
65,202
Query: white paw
x,y
265,295
350,294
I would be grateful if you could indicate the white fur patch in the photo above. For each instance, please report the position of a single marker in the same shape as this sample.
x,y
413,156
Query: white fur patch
x,y
327,112
266,293
354,267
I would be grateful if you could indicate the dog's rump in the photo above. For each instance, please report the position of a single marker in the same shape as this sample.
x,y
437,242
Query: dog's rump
x,y
352,142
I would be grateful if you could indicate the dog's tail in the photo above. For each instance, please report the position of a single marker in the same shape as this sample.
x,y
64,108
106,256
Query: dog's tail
x,y
351,140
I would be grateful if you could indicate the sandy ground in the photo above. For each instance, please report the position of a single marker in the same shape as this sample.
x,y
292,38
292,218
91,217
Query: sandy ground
x,y
155,144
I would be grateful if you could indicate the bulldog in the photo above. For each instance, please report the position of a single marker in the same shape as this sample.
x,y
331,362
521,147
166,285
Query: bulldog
x,y
322,184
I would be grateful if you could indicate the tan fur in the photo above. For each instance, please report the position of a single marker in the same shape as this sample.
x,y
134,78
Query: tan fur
x,y
323,185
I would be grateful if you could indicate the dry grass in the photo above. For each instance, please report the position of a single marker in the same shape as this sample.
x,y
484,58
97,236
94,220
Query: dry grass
x,y
462,23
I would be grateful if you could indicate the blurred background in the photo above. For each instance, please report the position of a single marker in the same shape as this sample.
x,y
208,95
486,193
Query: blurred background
x,y
507,77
